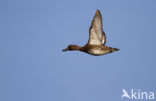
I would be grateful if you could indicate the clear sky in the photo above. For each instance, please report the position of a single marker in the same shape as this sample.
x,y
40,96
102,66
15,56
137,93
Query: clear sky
x,y
33,33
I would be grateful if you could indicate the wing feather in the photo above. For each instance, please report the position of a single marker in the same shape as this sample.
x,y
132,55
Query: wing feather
x,y
96,34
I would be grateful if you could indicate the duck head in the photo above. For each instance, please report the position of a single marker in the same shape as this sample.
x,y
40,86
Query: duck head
x,y
72,47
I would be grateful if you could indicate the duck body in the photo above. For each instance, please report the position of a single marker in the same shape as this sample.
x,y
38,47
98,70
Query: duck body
x,y
92,49
97,39
98,49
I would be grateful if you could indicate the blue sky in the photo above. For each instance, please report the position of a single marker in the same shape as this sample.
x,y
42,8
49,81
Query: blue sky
x,y
33,33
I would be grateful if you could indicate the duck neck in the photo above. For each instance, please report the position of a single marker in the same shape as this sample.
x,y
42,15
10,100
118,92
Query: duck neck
x,y
75,47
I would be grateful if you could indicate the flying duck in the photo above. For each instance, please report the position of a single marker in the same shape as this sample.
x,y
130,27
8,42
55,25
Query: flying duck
x,y
97,39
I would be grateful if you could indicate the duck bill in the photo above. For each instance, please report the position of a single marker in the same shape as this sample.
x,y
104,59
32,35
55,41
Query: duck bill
x,y
65,49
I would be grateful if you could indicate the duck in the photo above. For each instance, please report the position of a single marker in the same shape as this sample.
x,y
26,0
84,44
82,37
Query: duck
x,y
97,39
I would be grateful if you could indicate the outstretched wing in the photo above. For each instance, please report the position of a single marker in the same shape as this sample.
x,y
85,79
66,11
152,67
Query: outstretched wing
x,y
96,34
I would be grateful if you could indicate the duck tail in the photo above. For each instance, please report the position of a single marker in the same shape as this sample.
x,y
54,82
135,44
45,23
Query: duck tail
x,y
115,49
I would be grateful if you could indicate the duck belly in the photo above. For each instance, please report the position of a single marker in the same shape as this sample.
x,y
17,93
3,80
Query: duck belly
x,y
98,51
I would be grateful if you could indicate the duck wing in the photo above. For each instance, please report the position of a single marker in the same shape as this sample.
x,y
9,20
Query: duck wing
x,y
96,33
